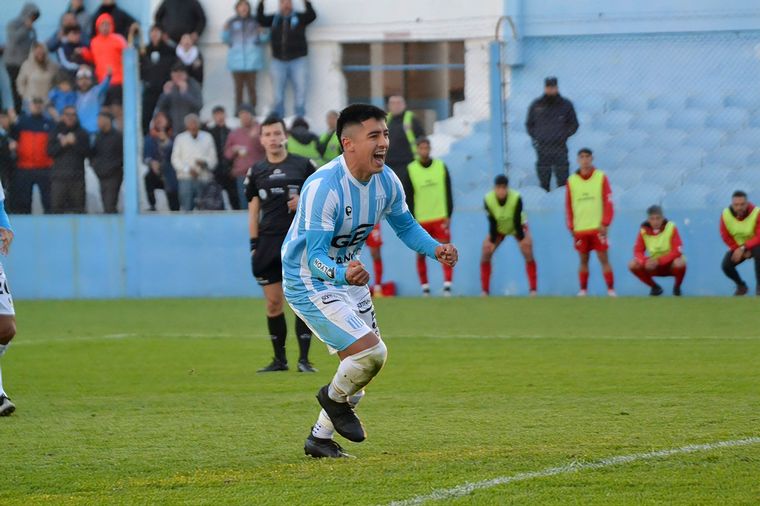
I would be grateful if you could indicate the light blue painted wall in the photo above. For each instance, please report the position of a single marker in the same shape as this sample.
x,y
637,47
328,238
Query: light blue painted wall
x,y
203,255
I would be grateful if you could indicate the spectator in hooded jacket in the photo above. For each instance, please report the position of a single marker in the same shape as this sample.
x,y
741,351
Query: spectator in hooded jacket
x,y
190,56
181,96
90,98
289,50
178,17
68,146
157,155
245,57
108,161
35,79
156,61
33,163
106,48
20,36
122,21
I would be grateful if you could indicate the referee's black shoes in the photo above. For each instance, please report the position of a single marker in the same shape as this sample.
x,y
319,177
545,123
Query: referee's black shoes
x,y
343,417
305,366
276,365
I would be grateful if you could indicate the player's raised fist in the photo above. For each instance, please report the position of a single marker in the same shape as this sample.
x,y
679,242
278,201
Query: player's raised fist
x,y
356,274
447,254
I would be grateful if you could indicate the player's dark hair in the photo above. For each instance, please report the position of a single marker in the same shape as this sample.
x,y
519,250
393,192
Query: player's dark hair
x,y
739,193
356,114
423,140
501,180
273,119
217,108
586,151
655,209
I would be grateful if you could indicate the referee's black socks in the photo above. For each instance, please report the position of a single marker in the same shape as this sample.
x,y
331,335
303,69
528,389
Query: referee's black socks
x,y
278,329
303,333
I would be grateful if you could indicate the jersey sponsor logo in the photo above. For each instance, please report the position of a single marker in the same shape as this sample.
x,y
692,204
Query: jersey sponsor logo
x,y
364,306
330,298
262,194
324,269
356,236
278,173
349,210
345,258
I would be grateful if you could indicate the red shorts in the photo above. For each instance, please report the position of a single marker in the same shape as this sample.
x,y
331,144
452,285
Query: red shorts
x,y
661,270
438,230
586,242
375,238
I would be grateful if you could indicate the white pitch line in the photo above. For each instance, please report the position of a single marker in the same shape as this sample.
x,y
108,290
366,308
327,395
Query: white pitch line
x,y
468,488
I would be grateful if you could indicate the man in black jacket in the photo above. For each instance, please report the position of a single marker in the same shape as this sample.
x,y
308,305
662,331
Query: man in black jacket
x,y
108,161
69,146
178,17
551,121
156,61
289,50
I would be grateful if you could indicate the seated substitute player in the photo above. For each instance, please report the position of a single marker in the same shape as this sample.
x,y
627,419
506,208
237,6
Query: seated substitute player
x,y
506,217
588,206
658,237
740,230
431,204
324,281
272,188
7,313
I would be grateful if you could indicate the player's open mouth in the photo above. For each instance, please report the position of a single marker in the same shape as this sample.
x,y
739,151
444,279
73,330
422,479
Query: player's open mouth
x,y
379,157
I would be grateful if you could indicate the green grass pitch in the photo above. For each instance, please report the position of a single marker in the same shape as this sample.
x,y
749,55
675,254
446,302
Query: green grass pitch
x,y
157,402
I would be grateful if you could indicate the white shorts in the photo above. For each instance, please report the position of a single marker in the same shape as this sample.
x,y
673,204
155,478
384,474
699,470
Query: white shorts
x,y
338,317
6,301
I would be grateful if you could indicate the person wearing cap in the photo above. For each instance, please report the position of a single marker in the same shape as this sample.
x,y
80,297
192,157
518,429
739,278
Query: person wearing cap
x,y
506,217
551,121
243,150
658,252
20,36
33,163
108,161
740,230
69,147
589,211
90,98
182,95
431,203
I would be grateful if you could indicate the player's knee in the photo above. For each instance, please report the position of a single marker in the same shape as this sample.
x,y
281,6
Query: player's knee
x,y
634,265
7,330
274,307
374,358
679,263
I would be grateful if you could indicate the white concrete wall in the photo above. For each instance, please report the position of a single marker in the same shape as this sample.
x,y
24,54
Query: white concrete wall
x,y
341,21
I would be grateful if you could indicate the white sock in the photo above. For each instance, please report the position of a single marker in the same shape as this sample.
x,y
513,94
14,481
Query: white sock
x,y
324,428
3,347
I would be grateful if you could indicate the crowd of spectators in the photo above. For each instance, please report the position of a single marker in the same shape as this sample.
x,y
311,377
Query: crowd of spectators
x,y
56,93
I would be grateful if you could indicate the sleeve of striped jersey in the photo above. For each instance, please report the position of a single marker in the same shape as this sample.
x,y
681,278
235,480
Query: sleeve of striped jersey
x,y
412,234
398,198
4,221
320,206
320,264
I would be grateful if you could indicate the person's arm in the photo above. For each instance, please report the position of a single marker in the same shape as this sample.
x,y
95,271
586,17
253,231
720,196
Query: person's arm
x,y
211,157
607,210
405,226
493,227
417,128
263,19
310,15
6,232
254,209
22,80
54,147
755,241
569,208
640,249
200,16
517,220
230,149
676,249
449,194
82,146
54,42
727,237
193,96
6,90
178,159
530,121
572,120
158,18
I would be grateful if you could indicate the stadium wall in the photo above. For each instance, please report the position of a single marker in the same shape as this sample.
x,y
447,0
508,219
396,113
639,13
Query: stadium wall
x,y
206,255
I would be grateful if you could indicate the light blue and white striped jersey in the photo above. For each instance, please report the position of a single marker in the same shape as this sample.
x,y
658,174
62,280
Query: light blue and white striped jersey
x,y
335,215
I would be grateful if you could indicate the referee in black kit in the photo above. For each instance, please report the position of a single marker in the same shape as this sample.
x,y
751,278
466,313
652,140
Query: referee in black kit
x,y
272,188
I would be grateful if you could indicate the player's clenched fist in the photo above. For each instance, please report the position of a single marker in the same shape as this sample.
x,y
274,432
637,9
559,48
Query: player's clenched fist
x,y
447,254
356,274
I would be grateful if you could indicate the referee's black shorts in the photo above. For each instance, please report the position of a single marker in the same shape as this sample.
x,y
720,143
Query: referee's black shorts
x,y
267,263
